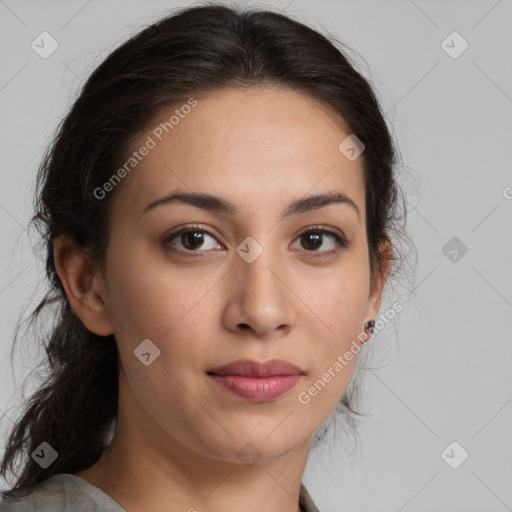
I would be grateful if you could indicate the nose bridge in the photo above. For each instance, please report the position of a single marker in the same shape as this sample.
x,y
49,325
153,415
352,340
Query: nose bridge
x,y
262,298
258,278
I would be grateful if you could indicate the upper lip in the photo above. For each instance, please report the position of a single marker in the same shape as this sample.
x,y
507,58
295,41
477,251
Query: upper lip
x,y
250,368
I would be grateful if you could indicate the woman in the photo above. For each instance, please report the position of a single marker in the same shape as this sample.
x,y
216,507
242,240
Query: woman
x,y
218,207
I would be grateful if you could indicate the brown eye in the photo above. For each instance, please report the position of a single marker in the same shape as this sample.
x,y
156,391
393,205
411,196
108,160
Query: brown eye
x,y
191,239
314,239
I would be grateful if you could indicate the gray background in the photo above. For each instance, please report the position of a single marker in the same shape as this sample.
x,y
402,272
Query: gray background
x,y
445,360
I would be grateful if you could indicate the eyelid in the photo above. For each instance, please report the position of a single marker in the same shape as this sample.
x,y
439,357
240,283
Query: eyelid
x,y
340,238
342,241
184,229
326,229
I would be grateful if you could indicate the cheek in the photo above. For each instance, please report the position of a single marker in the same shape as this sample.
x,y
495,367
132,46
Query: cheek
x,y
171,308
338,301
337,316
149,297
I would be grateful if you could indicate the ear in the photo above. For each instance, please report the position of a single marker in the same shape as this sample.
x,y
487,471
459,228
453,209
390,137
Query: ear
x,y
83,283
382,269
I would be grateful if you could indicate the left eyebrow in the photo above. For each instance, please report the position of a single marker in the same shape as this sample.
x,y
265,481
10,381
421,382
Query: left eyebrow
x,y
217,204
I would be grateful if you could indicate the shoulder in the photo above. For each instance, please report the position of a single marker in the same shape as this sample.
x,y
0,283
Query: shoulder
x,y
66,492
60,493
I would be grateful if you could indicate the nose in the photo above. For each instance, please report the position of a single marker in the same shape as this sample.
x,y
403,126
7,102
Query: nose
x,y
259,298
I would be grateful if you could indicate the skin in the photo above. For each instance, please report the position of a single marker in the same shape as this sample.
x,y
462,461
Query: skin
x,y
178,434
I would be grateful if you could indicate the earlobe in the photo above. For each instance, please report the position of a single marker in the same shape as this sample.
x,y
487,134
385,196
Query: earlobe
x,y
82,281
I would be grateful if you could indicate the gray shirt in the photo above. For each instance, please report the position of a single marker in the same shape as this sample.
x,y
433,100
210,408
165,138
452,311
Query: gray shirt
x,y
65,492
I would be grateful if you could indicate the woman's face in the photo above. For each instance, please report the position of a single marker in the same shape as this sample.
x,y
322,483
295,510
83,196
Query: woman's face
x,y
245,282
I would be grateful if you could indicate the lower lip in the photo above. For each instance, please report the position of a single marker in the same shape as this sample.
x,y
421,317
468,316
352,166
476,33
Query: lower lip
x,y
257,389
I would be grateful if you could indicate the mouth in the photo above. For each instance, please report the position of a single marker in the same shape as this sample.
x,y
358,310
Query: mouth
x,y
257,381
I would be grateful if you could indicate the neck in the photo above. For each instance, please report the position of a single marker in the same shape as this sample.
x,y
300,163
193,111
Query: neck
x,y
162,473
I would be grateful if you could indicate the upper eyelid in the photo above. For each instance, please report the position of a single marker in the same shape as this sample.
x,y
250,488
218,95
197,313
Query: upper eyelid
x,y
317,227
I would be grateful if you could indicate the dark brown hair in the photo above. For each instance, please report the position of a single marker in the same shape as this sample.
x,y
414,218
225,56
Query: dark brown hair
x,y
193,50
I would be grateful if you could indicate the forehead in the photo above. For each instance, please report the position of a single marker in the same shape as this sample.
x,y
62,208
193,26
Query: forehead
x,y
259,146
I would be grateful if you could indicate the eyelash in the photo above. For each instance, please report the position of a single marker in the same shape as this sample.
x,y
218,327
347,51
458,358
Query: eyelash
x,y
341,241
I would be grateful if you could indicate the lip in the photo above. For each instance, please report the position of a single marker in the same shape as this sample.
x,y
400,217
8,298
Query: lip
x,y
250,368
257,381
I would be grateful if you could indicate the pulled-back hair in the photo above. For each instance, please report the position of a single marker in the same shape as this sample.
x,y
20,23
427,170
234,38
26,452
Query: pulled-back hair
x,y
194,50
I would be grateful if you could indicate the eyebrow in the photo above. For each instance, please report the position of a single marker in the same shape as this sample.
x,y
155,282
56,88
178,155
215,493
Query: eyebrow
x,y
217,204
